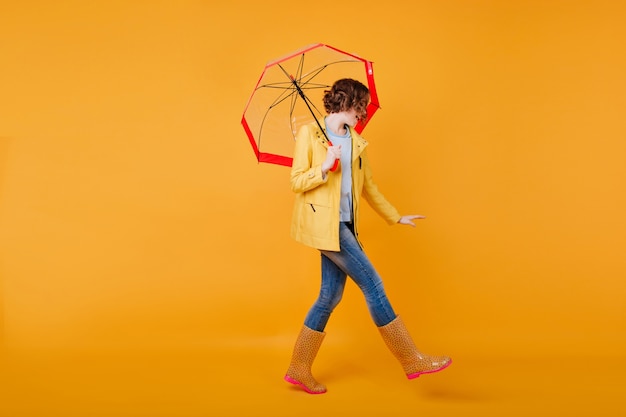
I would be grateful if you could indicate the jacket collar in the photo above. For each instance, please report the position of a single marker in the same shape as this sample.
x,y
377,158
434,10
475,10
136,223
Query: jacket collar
x,y
358,142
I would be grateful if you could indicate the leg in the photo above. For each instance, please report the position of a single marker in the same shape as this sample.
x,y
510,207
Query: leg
x,y
304,352
400,343
355,263
331,291
352,261
311,335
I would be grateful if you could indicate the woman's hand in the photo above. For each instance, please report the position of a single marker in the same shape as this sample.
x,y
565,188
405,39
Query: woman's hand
x,y
408,219
334,153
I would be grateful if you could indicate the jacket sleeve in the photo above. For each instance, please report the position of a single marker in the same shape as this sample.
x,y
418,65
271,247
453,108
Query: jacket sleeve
x,y
375,198
306,171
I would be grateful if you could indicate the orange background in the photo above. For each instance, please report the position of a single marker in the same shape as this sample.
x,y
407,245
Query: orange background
x,y
134,217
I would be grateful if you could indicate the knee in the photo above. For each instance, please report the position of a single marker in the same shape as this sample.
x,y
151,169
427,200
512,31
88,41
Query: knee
x,y
334,302
329,301
374,289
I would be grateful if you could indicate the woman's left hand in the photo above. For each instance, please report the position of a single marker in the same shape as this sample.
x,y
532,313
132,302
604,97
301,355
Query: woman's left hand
x,y
408,219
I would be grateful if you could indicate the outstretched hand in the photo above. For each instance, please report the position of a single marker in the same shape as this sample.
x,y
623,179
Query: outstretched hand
x,y
408,219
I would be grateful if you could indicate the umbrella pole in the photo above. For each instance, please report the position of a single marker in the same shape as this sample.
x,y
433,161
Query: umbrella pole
x,y
306,101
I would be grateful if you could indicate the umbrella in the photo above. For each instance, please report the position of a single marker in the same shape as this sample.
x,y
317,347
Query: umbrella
x,y
289,94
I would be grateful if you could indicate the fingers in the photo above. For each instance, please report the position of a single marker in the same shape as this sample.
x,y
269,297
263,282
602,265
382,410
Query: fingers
x,y
408,219
336,151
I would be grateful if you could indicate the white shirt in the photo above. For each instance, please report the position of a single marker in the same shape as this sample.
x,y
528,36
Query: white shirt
x,y
345,205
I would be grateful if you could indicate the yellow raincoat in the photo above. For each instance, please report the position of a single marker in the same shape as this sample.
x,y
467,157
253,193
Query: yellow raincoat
x,y
315,220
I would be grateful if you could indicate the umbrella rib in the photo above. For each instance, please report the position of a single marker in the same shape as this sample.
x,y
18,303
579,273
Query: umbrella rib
x,y
305,82
304,98
308,78
274,104
308,84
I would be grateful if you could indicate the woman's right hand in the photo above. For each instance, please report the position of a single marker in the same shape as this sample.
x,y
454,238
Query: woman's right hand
x,y
333,153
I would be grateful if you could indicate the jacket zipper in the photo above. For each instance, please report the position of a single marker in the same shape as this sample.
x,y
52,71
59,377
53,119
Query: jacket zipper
x,y
313,208
354,219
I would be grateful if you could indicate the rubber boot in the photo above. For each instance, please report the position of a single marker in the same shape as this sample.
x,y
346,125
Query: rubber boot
x,y
304,352
414,363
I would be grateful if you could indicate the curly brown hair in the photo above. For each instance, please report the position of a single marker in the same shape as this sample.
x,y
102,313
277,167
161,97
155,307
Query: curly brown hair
x,y
347,94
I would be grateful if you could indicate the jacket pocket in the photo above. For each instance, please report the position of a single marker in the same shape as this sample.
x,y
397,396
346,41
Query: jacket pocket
x,y
315,220
317,197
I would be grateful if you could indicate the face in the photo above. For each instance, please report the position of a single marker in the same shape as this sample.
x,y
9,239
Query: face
x,y
352,117
361,108
357,113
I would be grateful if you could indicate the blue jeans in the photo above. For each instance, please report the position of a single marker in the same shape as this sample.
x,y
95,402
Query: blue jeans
x,y
336,266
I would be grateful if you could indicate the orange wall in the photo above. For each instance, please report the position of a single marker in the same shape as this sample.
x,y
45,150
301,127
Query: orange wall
x,y
133,212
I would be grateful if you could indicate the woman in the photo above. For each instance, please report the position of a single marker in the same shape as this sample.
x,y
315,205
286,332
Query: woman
x,y
325,217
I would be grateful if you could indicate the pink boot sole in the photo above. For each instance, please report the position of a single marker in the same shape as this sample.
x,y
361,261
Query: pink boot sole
x,y
301,385
415,375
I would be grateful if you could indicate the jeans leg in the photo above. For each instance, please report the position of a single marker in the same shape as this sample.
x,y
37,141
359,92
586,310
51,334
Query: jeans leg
x,y
331,291
354,262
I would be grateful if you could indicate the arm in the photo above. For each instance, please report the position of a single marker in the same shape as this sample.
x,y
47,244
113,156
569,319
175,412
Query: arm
x,y
310,169
379,203
374,197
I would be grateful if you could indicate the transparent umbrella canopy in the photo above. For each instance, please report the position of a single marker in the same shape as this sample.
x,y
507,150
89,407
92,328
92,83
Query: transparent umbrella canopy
x,y
289,94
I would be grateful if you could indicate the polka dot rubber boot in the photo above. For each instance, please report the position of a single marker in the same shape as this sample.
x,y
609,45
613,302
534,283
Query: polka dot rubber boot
x,y
400,343
304,352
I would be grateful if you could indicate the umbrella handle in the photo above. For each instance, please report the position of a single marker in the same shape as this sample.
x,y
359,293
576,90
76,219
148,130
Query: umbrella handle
x,y
336,164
